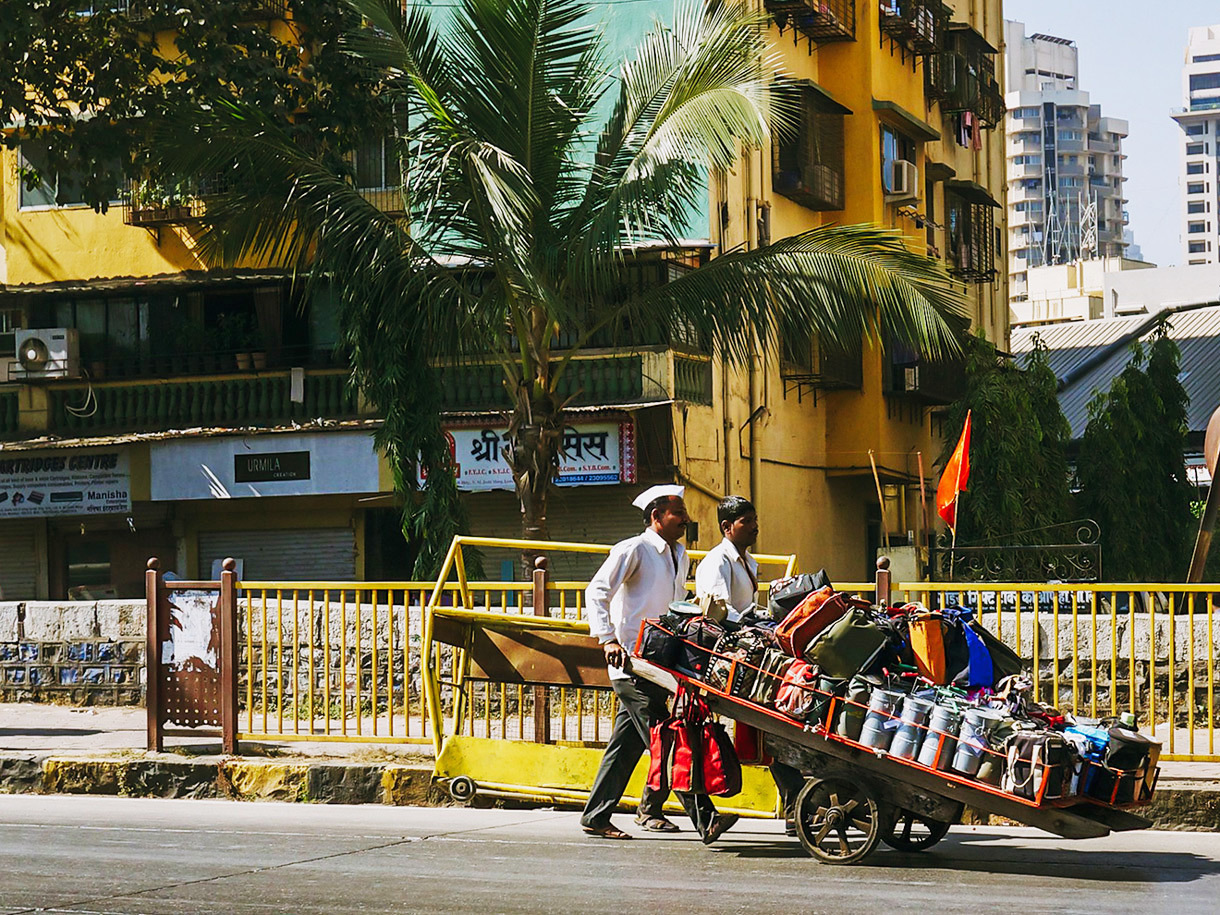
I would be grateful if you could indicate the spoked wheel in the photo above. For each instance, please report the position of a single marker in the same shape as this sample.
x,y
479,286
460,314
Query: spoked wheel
x,y
838,821
909,831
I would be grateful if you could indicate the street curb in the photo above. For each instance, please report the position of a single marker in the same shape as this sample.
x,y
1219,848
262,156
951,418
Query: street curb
x,y
169,775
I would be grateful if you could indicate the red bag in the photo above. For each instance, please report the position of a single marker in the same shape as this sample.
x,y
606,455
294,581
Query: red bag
x,y
692,753
799,691
807,620
721,767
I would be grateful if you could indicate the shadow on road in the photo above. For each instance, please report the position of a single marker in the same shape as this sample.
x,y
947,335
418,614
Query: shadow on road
x,y
49,732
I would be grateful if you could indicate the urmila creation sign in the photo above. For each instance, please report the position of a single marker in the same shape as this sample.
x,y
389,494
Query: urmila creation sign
x,y
40,484
271,466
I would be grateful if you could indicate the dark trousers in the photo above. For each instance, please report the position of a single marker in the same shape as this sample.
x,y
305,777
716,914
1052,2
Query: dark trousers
x,y
640,705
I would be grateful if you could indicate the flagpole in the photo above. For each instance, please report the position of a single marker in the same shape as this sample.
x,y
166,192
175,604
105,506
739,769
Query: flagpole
x,y
957,494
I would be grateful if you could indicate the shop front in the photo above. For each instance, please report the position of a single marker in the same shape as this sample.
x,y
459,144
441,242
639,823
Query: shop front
x,y
285,506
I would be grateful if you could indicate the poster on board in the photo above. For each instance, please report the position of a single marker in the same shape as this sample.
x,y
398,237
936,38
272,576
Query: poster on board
x,y
37,484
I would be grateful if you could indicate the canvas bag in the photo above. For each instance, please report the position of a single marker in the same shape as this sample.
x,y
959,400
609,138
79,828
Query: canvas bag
x,y
771,670
785,593
659,642
674,747
925,631
700,636
847,646
797,693
811,617
1035,757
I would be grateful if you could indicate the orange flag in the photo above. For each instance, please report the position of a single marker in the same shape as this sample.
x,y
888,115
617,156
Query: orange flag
x,y
953,480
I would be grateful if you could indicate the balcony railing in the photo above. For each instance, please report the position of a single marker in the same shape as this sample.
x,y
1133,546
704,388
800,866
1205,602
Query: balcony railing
x,y
222,401
592,379
820,20
965,82
915,24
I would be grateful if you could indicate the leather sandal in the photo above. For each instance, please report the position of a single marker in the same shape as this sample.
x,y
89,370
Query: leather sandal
x,y
719,827
605,832
656,824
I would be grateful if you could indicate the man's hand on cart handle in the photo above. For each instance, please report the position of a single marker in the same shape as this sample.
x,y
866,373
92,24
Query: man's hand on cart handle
x,y
615,656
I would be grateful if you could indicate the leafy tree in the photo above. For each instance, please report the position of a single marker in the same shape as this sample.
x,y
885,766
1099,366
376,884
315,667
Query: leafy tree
x,y
1018,485
90,89
1131,470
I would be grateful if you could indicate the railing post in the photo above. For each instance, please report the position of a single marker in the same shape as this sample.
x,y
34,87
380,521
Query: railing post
x,y
542,698
882,594
152,655
228,656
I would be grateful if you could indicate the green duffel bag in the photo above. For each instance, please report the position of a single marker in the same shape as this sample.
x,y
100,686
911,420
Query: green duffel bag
x,y
847,646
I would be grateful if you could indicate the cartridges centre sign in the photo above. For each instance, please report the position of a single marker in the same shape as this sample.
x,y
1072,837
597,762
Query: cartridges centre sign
x,y
40,484
593,454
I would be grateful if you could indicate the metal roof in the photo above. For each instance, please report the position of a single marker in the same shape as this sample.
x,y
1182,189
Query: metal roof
x,y
1086,357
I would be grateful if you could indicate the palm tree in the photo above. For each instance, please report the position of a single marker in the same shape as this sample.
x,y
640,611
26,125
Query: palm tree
x,y
524,201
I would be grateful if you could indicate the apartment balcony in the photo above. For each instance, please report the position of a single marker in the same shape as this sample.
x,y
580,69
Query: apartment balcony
x,y
962,82
1017,194
1024,171
1070,170
595,378
820,20
918,25
387,199
1097,144
221,401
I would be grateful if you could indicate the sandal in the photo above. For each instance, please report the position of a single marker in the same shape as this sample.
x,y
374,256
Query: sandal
x,y
605,832
656,824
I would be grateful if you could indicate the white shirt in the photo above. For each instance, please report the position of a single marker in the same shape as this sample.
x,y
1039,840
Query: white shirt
x,y
637,581
725,572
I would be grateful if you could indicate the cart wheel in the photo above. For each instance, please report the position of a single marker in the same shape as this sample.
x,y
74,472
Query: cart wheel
x,y
907,831
462,789
838,821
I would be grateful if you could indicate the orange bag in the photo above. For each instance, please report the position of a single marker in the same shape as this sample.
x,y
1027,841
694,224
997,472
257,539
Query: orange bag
x,y
927,637
812,615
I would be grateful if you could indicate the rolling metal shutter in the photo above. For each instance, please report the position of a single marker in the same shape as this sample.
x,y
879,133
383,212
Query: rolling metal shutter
x,y
18,561
308,554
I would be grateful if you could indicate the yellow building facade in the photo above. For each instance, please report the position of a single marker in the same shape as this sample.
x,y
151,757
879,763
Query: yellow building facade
x,y
901,126
205,413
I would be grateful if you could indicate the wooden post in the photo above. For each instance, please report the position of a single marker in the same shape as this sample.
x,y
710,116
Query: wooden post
x,y
228,657
882,594
542,699
152,655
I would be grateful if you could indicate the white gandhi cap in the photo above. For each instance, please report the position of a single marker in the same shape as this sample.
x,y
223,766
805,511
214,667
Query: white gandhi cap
x,y
644,499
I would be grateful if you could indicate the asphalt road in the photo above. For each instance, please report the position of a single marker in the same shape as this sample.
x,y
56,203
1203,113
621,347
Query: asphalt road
x,y
112,855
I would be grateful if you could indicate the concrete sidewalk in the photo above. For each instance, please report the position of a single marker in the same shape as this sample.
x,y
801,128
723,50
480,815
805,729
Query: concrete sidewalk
x,y
58,749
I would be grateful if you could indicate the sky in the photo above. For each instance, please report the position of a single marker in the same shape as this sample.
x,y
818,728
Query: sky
x,y
1131,58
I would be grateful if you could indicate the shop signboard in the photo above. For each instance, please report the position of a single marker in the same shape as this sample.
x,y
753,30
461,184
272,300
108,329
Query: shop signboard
x,y
39,484
238,467
594,454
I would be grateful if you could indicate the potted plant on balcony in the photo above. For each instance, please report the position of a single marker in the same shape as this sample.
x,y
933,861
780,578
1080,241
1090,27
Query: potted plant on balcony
x,y
258,348
235,332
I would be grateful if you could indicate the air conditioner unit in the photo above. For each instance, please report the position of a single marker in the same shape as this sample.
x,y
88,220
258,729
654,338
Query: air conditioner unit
x,y
45,353
904,181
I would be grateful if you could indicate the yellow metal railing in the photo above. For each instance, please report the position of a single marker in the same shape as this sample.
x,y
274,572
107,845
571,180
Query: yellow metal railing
x,y
358,662
589,710
346,661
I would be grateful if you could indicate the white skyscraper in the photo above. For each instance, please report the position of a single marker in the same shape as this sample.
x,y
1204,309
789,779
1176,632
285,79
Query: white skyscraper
x,y
1065,162
1199,119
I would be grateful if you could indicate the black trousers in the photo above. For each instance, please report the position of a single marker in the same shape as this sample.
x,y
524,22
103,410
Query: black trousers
x,y
640,705
789,781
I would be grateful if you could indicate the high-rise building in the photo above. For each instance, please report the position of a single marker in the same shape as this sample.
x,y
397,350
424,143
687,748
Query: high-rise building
x,y
1065,162
1199,119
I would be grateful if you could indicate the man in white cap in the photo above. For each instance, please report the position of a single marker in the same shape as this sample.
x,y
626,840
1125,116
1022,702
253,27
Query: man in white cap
x,y
639,579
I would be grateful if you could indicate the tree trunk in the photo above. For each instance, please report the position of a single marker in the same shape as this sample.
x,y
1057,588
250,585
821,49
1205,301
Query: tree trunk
x,y
535,439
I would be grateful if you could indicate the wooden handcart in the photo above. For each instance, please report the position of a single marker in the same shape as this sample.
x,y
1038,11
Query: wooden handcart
x,y
855,797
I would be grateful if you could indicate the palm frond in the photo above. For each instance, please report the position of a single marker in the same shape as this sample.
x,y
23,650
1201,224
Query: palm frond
x,y
844,283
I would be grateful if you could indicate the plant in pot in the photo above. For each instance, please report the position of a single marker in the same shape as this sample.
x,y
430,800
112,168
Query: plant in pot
x,y
190,341
236,331
258,348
